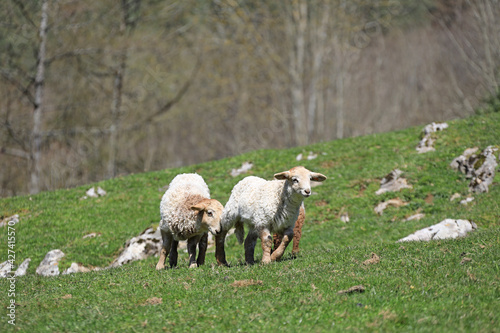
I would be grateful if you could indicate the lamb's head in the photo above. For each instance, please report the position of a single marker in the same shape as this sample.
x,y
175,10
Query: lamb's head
x,y
300,179
210,212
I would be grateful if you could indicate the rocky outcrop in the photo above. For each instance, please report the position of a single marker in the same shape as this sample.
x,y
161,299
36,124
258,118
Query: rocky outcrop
x,y
446,229
393,182
480,169
50,264
147,244
427,140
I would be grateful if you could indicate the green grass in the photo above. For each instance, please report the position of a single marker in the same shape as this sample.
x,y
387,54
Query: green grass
x,y
426,287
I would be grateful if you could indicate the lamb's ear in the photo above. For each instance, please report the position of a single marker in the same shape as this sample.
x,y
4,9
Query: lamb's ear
x,y
282,175
317,177
199,206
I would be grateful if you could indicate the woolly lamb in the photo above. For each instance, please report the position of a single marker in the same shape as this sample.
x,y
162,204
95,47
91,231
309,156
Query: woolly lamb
x,y
266,207
187,212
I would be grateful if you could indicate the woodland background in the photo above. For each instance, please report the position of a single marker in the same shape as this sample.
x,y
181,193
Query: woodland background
x,y
90,90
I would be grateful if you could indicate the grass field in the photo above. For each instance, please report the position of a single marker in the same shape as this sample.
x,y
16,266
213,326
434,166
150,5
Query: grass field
x,y
440,286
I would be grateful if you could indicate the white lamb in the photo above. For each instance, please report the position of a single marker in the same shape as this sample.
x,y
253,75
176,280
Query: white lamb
x,y
266,207
187,212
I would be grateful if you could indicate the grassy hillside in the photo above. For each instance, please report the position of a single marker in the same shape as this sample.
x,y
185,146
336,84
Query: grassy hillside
x,y
414,287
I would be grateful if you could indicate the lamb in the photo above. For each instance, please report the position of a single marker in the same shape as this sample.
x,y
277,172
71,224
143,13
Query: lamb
x,y
187,213
266,207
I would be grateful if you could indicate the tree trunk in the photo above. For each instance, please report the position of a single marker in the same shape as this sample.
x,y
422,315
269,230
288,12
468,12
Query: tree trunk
x,y
36,135
297,27
115,114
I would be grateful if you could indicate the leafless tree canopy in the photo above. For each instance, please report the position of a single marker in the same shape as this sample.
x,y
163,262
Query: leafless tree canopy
x,y
91,90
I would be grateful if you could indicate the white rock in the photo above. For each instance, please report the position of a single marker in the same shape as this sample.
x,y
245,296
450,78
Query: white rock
x,y
427,143
76,268
147,244
434,127
392,182
379,209
466,200
448,228
5,269
311,156
245,167
299,157
91,193
50,264
344,217
21,270
11,220
414,217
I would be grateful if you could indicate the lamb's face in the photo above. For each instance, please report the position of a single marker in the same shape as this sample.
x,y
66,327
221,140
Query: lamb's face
x,y
211,211
300,179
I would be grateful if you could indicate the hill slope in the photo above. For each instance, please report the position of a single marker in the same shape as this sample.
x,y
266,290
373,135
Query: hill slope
x,y
417,286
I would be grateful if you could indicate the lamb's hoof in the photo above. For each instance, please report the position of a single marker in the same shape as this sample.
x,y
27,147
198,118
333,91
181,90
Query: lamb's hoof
x,y
193,265
160,267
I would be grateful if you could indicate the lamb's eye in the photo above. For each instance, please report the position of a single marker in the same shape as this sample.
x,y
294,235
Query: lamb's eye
x,y
295,180
210,214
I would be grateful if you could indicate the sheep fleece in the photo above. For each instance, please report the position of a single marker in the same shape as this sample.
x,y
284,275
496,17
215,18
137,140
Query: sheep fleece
x,y
261,204
176,216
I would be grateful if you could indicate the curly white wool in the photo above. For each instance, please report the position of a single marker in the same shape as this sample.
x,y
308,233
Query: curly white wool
x,y
176,215
262,203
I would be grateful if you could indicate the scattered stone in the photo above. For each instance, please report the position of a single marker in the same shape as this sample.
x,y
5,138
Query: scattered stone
x,y
455,196
11,220
465,162
245,167
391,202
91,235
445,229
94,193
309,157
417,217
23,268
466,200
147,244
76,268
426,143
393,182
355,289
484,170
344,217
375,259
479,168
246,283
50,264
5,269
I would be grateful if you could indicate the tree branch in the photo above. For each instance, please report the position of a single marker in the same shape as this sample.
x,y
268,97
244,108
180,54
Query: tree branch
x,y
168,105
15,152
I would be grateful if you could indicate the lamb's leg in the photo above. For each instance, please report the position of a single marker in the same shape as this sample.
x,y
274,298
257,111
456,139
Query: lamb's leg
x,y
297,230
287,237
202,249
250,242
165,248
191,247
220,254
266,241
172,259
276,242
